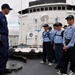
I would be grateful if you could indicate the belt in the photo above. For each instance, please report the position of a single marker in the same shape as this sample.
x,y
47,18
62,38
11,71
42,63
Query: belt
x,y
58,43
47,42
3,34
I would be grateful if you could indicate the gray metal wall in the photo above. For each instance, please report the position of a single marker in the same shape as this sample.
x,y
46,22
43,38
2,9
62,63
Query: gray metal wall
x,y
45,1
52,1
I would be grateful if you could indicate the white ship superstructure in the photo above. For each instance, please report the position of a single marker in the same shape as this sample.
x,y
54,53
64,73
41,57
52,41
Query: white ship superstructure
x,y
33,18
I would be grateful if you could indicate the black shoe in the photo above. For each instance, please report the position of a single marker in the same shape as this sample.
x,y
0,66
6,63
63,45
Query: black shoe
x,y
1,73
7,71
55,62
58,67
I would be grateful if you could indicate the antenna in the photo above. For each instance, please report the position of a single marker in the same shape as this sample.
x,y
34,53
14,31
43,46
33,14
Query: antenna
x,y
21,23
72,7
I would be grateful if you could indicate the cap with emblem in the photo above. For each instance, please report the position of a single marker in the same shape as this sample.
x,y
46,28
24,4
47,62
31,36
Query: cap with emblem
x,y
69,17
46,25
6,6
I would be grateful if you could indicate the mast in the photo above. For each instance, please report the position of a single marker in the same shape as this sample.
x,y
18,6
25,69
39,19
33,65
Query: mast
x,y
21,24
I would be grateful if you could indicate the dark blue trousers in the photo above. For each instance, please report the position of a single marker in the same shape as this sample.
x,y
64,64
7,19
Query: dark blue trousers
x,y
3,52
47,52
58,53
68,56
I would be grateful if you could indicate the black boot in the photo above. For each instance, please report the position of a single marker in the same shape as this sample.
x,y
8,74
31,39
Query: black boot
x,y
1,73
58,67
7,71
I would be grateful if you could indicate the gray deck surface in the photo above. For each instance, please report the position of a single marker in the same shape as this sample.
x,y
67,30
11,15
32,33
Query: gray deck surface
x,y
33,67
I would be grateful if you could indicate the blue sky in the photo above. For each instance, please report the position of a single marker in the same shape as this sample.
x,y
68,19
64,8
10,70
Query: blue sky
x,y
16,5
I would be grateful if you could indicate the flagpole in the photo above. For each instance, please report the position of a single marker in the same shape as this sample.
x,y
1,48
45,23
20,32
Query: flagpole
x,y
21,22
21,7
72,7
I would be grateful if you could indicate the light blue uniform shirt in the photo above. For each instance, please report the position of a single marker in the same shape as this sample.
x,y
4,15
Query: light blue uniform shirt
x,y
46,36
58,37
69,34
53,33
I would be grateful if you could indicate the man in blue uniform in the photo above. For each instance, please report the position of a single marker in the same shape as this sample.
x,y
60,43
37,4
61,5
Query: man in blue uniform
x,y
47,50
4,46
58,45
69,47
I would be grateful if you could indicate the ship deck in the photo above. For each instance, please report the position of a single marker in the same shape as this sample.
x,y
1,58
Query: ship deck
x,y
33,67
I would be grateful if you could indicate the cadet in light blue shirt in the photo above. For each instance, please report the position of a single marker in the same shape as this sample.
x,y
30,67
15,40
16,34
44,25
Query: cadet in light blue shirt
x,y
69,47
47,49
58,44
53,31
69,34
50,31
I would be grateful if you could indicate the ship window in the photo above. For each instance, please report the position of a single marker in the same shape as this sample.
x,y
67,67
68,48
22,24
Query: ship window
x,y
54,8
69,7
50,8
38,9
73,7
31,11
59,8
46,8
34,10
63,8
42,9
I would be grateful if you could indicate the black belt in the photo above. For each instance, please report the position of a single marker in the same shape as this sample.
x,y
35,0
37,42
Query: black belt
x,y
3,34
58,43
47,42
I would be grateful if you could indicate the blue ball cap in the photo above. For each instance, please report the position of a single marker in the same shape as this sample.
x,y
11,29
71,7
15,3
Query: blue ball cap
x,y
58,24
69,17
6,6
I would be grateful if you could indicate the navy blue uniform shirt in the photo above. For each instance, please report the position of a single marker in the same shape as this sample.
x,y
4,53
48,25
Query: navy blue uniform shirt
x,y
3,24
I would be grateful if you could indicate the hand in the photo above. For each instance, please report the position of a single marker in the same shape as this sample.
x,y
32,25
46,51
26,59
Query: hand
x,y
65,48
54,47
1,42
0,36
